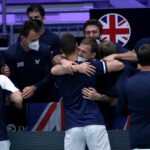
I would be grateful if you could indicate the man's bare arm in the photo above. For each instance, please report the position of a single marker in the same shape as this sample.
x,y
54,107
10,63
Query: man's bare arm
x,y
92,94
66,64
85,68
17,98
130,56
58,58
114,65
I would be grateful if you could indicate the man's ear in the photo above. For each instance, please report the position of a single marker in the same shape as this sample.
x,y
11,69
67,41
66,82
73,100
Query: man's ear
x,y
43,19
62,54
24,42
23,37
93,55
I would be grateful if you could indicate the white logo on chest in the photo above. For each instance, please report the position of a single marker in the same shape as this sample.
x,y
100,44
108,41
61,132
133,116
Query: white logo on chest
x,y
37,61
20,64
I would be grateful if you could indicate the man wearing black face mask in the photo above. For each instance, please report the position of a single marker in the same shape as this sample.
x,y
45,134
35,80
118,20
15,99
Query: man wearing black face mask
x,y
37,11
30,65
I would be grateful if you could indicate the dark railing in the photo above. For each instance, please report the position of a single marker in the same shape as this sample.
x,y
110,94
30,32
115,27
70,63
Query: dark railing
x,y
119,140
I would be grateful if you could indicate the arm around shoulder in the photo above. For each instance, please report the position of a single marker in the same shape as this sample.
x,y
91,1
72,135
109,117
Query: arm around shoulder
x,y
15,95
114,65
58,70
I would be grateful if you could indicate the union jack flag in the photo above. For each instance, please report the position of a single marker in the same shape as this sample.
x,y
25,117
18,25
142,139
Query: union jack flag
x,y
115,28
45,117
127,124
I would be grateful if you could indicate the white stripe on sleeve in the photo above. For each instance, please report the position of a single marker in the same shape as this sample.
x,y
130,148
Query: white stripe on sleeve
x,y
7,84
104,66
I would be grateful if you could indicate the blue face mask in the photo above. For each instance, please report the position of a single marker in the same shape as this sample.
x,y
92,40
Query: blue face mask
x,y
82,59
34,45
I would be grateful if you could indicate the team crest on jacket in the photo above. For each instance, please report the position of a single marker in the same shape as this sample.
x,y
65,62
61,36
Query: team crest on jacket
x,y
116,28
37,61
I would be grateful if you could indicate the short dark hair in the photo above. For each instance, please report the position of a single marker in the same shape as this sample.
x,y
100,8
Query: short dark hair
x,y
143,55
36,7
107,48
29,25
91,42
68,44
93,22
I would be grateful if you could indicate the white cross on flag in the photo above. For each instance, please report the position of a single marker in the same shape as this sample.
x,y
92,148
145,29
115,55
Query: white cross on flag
x,y
115,28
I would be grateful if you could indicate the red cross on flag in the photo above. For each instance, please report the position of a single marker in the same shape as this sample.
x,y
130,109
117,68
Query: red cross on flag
x,y
115,28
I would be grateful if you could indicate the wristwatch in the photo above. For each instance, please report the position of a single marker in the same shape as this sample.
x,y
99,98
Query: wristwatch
x,y
101,97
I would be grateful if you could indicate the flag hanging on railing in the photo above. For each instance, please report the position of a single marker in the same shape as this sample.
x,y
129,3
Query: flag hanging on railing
x,y
45,116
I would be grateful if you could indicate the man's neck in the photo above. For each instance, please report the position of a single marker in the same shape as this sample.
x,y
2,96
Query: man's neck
x,y
73,57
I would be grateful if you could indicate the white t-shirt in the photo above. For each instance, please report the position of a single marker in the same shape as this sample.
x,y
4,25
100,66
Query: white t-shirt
x,y
7,84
